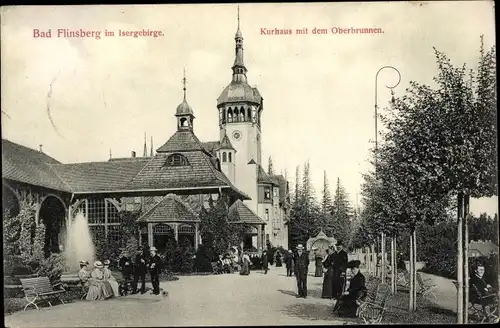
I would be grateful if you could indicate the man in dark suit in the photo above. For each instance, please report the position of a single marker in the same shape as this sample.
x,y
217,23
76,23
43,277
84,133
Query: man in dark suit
x,y
265,264
155,267
339,269
289,263
140,271
301,268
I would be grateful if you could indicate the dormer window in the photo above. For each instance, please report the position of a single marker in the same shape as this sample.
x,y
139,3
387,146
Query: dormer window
x,y
176,160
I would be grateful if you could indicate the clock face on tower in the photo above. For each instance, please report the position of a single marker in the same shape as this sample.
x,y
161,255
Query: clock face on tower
x,y
237,135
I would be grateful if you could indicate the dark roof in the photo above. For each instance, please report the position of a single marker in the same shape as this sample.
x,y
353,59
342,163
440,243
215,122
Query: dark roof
x,y
100,176
170,209
226,143
211,146
184,140
125,175
199,173
240,213
30,166
238,92
263,177
283,185
482,247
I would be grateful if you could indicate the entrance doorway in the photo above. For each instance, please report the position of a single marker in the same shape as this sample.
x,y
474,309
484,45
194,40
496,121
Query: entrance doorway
x,y
53,215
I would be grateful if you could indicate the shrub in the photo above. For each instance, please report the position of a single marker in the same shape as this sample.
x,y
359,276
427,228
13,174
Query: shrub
x,y
203,258
52,267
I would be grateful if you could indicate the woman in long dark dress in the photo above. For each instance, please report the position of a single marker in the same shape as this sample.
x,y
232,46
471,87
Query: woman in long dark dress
x,y
328,263
319,264
348,303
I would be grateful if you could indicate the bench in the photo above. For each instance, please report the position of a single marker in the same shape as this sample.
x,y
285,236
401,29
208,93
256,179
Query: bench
x,y
216,268
425,287
477,312
372,310
40,289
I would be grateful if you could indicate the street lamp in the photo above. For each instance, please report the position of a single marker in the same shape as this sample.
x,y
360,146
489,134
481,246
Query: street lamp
x,y
382,237
376,106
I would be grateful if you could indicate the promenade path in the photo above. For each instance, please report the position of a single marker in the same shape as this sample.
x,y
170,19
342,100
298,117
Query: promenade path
x,y
216,300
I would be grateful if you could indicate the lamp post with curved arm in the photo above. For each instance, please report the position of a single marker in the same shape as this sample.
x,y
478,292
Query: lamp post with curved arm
x,y
382,241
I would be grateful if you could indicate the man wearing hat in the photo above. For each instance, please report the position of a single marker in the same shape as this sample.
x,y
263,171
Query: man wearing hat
x,y
339,270
301,268
155,270
265,262
348,303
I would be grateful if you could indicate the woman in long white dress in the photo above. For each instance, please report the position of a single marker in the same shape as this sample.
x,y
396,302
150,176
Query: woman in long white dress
x,y
98,288
108,276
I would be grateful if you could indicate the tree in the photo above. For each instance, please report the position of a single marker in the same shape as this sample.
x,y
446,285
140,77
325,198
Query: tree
x,y
341,213
326,219
215,226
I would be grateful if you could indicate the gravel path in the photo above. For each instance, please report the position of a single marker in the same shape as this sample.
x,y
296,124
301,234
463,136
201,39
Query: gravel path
x,y
221,300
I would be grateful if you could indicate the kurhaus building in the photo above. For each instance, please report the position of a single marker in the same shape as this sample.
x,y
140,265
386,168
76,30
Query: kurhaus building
x,y
168,187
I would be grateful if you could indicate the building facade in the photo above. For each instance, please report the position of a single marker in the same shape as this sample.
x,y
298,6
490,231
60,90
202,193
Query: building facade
x,y
168,187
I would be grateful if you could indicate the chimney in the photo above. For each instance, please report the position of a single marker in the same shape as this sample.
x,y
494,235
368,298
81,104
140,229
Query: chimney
x,y
41,148
133,154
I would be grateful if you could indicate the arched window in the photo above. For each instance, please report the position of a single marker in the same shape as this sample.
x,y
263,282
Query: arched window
x,y
230,157
242,114
235,115
162,229
176,160
224,157
102,217
230,115
186,228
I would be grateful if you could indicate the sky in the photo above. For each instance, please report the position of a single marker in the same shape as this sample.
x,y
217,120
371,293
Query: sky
x,y
318,89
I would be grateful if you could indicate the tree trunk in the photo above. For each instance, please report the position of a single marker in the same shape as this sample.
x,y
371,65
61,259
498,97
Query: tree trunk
x,y
410,306
382,269
466,259
395,264
394,269
460,265
415,284
372,259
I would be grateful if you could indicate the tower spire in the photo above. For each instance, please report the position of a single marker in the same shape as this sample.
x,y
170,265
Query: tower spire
x,y
151,146
184,83
145,153
238,17
239,69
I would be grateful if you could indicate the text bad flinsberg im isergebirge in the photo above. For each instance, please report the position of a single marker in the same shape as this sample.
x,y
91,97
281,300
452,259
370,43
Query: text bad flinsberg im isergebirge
x,y
96,34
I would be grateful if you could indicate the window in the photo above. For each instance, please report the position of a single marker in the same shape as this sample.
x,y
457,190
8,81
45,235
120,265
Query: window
x,y
230,159
267,237
267,215
267,193
102,216
186,228
275,192
162,229
176,160
224,157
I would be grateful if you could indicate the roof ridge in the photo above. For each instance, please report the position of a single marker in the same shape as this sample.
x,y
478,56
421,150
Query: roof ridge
x,y
183,203
58,176
152,208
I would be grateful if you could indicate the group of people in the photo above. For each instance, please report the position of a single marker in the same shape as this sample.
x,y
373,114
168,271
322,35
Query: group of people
x,y
100,281
103,285
342,282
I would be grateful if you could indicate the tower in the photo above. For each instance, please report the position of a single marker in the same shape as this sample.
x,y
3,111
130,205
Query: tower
x,y
184,113
240,107
227,156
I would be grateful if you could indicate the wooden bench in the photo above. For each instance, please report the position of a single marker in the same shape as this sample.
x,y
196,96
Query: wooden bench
x,y
425,286
40,289
372,310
